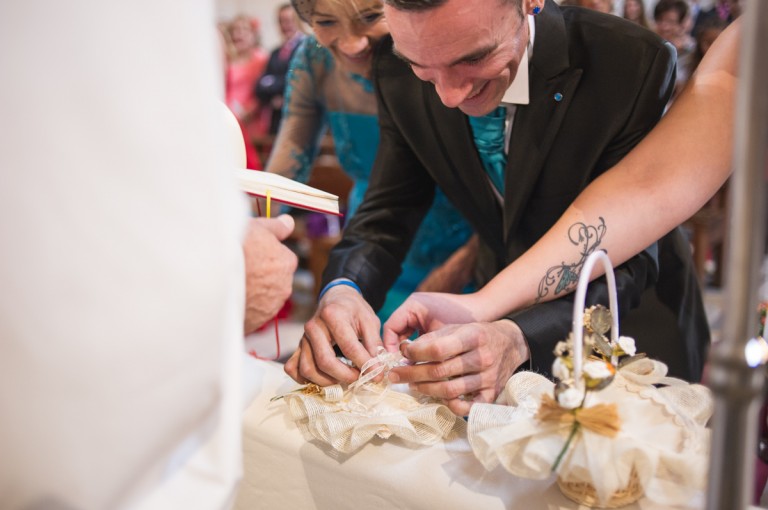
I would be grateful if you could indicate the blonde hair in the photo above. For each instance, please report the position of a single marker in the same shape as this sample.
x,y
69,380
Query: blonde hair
x,y
304,8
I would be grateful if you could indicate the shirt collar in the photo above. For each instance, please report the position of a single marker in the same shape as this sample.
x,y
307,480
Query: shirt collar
x,y
517,93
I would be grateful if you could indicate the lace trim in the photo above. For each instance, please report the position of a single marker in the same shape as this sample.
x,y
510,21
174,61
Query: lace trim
x,y
347,419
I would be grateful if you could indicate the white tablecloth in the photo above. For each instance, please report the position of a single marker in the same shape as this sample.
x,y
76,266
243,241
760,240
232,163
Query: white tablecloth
x,y
285,471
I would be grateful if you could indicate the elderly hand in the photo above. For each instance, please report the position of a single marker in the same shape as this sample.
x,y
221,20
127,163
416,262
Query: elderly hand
x,y
269,268
463,364
344,318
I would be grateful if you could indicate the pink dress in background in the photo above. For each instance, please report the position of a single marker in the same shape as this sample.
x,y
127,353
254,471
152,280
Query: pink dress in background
x,y
240,81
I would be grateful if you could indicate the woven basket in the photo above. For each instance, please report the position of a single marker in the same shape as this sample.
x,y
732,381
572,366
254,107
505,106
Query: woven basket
x,y
581,491
585,494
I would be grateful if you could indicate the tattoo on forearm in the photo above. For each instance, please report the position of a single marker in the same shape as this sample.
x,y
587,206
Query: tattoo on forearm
x,y
564,277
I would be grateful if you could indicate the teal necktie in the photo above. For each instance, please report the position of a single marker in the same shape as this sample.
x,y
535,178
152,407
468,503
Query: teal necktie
x,y
488,132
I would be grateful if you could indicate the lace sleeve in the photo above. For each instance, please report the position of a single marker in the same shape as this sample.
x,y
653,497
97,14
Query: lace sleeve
x,y
304,113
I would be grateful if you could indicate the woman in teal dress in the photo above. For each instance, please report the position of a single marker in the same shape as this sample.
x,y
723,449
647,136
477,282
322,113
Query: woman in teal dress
x,y
328,87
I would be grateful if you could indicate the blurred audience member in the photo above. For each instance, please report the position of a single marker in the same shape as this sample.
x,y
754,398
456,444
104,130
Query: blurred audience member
x,y
708,32
246,64
694,9
723,10
670,17
271,85
634,11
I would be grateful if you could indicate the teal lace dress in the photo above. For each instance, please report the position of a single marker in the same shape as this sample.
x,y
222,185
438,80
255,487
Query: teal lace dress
x,y
320,96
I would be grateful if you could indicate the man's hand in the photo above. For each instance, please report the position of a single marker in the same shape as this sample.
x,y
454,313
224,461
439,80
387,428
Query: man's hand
x,y
269,268
463,364
426,312
343,317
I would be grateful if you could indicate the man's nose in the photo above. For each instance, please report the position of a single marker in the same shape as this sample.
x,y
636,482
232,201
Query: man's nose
x,y
451,88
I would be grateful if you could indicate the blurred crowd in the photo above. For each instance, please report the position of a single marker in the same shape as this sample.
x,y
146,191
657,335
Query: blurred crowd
x,y
254,77
687,24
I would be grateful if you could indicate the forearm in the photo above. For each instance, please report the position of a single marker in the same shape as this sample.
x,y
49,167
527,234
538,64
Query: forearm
x,y
455,273
675,169
545,324
296,146
376,240
303,121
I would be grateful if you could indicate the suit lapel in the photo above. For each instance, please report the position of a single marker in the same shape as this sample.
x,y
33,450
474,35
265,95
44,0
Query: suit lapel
x,y
536,124
467,177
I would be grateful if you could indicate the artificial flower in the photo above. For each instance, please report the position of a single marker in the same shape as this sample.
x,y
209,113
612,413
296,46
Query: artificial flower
x,y
627,345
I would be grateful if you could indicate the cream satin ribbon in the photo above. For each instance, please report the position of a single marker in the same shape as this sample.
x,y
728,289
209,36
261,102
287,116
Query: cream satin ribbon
x,y
378,366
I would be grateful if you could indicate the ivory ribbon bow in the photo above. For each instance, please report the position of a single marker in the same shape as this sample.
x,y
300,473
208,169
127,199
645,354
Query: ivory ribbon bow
x,y
380,365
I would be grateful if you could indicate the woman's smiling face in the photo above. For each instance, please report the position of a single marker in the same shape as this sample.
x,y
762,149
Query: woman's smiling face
x,y
350,31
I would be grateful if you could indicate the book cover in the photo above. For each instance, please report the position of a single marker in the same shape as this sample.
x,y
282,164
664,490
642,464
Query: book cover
x,y
287,191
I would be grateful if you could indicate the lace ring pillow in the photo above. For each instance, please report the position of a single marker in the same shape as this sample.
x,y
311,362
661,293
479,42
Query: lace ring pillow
x,y
613,428
346,418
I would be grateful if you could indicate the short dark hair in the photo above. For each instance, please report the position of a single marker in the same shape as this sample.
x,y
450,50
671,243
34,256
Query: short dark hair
x,y
424,5
414,5
671,5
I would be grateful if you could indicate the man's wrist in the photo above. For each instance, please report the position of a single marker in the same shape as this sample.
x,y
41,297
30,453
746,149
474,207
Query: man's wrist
x,y
511,328
339,281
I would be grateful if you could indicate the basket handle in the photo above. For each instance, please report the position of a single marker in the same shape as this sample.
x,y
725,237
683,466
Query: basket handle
x,y
578,308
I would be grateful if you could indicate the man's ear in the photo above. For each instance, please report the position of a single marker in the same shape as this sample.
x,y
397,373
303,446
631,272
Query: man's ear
x,y
532,6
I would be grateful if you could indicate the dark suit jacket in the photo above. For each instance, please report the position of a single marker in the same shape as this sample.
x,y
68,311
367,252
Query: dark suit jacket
x,y
272,82
615,79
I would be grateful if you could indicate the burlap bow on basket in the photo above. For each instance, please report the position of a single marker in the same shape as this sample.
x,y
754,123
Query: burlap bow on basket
x,y
613,428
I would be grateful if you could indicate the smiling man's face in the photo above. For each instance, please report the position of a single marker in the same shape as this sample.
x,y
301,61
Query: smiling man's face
x,y
469,49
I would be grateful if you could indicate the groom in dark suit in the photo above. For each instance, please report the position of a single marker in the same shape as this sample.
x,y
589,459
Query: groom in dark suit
x,y
578,89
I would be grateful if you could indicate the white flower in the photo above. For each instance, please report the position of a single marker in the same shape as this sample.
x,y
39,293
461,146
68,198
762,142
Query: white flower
x,y
570,398
560,370
627,345
597,370
560,348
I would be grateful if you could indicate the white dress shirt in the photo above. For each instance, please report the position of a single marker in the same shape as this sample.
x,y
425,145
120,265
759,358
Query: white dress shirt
x,y
516,94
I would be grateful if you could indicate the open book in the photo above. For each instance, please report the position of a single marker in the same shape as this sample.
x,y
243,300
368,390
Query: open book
x,y
287,191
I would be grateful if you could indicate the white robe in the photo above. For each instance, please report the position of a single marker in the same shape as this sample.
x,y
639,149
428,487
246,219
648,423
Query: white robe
x,y
121,274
